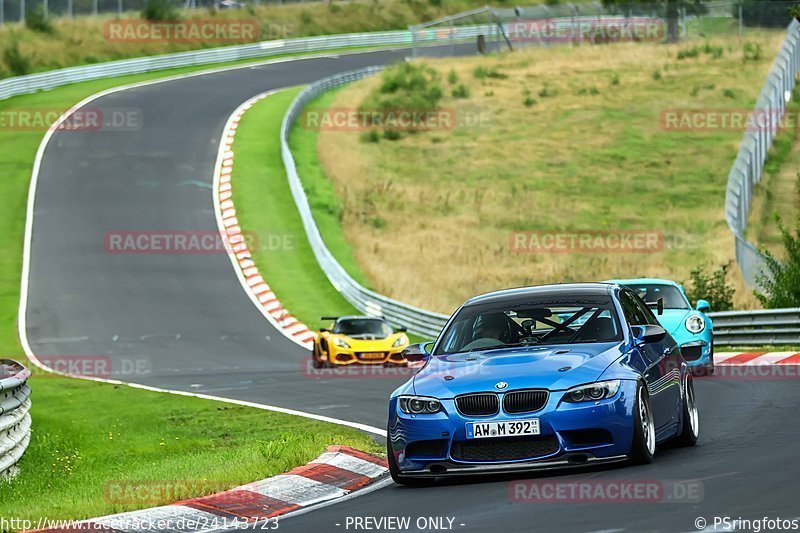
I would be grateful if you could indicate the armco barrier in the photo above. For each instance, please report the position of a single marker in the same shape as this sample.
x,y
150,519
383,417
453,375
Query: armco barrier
x,y
757,328
15,418
417,320
47,80
779,326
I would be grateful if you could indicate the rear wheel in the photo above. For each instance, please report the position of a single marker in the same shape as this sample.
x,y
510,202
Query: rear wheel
x,y
691,419
644,430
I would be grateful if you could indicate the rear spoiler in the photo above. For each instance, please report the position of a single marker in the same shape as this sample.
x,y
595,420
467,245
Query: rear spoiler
x,y
334,318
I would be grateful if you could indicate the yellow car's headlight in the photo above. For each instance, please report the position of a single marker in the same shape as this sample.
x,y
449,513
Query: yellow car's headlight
x,y
401,340
340,342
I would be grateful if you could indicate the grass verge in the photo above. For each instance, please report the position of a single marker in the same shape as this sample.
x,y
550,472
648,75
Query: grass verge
x,y
86,435
92,453
264,205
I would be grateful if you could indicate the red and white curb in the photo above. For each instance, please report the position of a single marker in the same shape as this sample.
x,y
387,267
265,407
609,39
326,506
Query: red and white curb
x,y
240,254
756,358
337,472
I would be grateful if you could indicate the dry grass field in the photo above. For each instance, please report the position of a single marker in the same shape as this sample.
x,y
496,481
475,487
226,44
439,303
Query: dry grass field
x,y
560,139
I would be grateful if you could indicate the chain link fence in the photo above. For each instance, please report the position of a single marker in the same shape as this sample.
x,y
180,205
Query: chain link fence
x,y
749,164
15,418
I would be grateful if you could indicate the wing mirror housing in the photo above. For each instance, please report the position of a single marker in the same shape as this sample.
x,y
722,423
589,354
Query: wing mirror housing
x,y
415,353
648,334
703,306
401,330
323,330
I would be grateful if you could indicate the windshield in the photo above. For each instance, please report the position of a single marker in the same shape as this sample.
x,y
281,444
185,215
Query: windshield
x,y
650,293
530,321
355,327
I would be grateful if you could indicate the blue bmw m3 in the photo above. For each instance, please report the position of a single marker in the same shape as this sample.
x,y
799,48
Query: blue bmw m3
x,y
541,377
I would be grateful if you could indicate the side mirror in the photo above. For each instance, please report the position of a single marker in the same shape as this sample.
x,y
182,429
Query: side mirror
x,y
659,305
415,353
323,330
648,334
703,306
400,330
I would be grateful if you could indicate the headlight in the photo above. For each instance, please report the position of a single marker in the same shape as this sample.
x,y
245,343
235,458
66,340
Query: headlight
x,y
340,343
695,324
401,340
418,405
592,392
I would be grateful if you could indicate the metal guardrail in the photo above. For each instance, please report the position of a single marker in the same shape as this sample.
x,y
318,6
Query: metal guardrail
x,y
15,418
418,321
757,328
749,164
47,80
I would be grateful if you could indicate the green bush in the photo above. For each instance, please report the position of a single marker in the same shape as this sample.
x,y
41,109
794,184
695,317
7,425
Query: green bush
x,y
36,21
614,78
779,284
460,91
712,286
17,62
159,10
404,87
452,77
482,73
752,52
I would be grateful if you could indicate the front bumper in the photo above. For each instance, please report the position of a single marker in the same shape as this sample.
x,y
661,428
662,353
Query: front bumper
x,y
570,435
698,353
345,357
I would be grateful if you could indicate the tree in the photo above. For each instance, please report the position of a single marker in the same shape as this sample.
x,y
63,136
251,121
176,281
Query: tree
x,y
779,283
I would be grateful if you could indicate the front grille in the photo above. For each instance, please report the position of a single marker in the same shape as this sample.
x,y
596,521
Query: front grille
x,y
524,401
483,404
504,448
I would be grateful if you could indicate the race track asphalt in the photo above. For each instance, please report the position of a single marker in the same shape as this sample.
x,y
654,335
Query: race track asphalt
x,y
185,320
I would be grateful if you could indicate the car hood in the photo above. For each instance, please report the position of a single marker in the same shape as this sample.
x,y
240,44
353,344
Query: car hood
x,y
673,319
554,368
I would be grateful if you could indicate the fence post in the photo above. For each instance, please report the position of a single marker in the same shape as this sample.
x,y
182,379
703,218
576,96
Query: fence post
x,y
2,12
69,8
45,10
22,11
94,7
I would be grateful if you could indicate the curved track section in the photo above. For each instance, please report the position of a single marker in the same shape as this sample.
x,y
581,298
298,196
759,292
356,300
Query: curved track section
x,y
186,319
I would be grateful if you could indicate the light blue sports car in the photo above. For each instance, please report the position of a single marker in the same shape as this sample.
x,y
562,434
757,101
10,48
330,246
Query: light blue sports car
x,y
691,328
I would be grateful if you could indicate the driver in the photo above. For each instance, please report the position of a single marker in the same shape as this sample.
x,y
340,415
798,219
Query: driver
x,y
494,326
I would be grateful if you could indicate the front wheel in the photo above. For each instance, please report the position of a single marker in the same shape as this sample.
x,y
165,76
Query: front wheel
x,y
644,430
691,419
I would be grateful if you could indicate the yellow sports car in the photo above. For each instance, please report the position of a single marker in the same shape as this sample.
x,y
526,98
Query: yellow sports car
x,y
359,340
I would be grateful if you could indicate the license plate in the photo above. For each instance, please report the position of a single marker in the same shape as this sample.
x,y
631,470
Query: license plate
x,y
509,428
372,355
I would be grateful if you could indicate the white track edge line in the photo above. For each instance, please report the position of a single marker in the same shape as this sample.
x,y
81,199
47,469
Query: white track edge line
x,y
26,251
221,151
